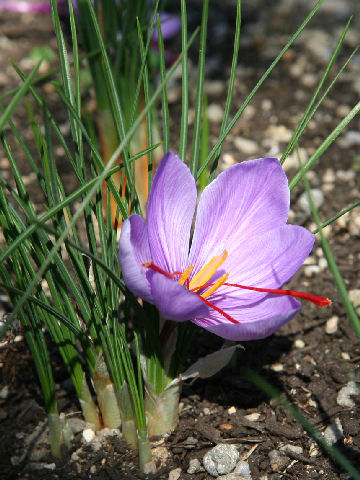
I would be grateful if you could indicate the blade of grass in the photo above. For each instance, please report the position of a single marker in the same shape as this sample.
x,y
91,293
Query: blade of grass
x,y
324,146
194,159
354,319
256,88
17,97
185,86
273,393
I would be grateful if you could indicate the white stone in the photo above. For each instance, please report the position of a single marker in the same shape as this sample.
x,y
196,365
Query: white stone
x,y
231,410
299,343
323,264
344,396
354,297
252,417
292,161
345,175
350,139
194,466
175,474
290,448
221,459
243,469
4,392
311,270
278,133
246,145
277,367
215,113
332,325
334,432
318,199
214,87
329,176
88,435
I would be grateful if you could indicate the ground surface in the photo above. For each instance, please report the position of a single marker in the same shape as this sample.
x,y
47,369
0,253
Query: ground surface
x,y
313,357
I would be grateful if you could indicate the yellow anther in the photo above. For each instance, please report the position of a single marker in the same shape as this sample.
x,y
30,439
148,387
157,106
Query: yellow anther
x,y
185,275
216,285
204,275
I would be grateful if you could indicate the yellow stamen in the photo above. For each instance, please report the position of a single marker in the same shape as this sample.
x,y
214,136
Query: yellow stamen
x,y
204,275
185,275
216,285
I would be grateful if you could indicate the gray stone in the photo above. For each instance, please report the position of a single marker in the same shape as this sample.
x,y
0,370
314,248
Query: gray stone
x,y
354,297
344,396
246,145
334,432
221,459
194,466
175,474
332,325
318,199
215,113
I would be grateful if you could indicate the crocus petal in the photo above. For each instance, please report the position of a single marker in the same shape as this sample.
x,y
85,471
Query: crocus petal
x,y
133,252
170,212
244,202
268,261
170,26
173,300
256,322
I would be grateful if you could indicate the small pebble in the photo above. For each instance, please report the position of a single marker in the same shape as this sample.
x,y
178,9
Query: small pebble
x,y
194,466
214,87
245,145
345,356
329,176
311,270
252,417
206,411
4,393
323,264
332,325
345,393
88,435
175,474
345,175
215,113
277,367
243,469
290,448
350,139
354,297
299,343
221,459
313,451
334,432
231,410
318,199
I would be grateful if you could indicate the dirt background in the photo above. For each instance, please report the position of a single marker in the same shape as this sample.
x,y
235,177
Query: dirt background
x,y
311,359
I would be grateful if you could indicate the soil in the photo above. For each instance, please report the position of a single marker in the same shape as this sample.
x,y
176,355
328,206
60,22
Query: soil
x,y
307,360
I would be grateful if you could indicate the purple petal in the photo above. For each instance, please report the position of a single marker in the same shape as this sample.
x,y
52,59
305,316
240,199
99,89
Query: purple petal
x,y
256,322
25,6
170,26
173,300
243,203
133,252
170,212
268,261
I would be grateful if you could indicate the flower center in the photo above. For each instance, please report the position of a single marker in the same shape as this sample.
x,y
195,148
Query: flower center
x,y
201,278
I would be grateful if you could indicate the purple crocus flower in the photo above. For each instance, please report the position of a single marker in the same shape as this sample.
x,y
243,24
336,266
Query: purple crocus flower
x,y
240,237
